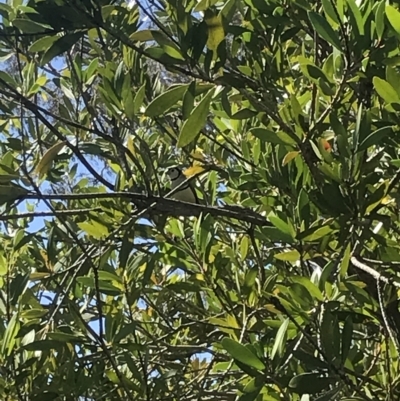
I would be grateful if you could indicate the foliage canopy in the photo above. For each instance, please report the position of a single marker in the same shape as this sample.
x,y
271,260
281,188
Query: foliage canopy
x,y
283,284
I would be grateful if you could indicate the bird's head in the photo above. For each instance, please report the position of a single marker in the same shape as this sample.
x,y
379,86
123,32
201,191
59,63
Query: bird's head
x,y
174,173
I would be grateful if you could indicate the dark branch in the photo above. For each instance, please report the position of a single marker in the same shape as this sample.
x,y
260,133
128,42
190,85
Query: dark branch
x,y
165,206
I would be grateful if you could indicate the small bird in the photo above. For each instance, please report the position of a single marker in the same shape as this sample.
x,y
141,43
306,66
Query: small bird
x,y
186,191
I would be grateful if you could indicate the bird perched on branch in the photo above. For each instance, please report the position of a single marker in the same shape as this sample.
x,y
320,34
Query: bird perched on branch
x,y
186,191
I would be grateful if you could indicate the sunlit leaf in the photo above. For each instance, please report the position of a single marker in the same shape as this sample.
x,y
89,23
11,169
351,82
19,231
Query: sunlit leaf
x,y
385,90
196,120
393,15
165,101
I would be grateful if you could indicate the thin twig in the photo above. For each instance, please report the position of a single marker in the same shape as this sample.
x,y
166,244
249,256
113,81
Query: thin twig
x,y
71,212
376,275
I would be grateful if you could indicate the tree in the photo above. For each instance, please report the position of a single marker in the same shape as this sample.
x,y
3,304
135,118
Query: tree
x,y
283,284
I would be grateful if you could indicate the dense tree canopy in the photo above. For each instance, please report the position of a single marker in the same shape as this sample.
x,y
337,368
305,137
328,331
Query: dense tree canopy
x,y
282,284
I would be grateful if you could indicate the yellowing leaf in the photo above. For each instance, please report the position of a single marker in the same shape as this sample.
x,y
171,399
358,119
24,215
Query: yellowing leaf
x,y
198,154
216,33
290,256
142,36
289,157
194,170
130,145
45,162
94,229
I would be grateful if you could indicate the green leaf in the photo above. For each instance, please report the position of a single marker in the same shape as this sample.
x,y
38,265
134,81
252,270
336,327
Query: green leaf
x,y
280,224
3,264
28,26
375,138
60,46
94,229
393,16
310,383
138,100
315,233
165,101
196,121
203,5
347,337
242,354
265,135
324,30
216,33
144,35
344,265
167,45
385,90
330,336
380,19
290,256
249,280
356,17
244,247
393,77
280,338
9,335
330,11
42,44
313,290
244,114
47,159
65,337
188,100
330,395
274,234
11,192
395,162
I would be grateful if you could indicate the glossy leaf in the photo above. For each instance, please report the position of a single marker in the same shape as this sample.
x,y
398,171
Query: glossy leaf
x,y
393,15
242,354
165,101
375,138
323,28
385,90
280,338
196,121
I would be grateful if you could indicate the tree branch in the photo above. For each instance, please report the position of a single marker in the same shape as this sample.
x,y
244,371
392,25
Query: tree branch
x,y
162,205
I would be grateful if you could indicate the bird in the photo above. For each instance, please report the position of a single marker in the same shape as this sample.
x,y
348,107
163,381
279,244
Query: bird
x,y
186,191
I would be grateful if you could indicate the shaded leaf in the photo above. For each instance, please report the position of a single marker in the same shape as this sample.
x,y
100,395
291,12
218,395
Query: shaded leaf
x,y
46,161
375,138
28,26
310,383
242,354
324,30
60,46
